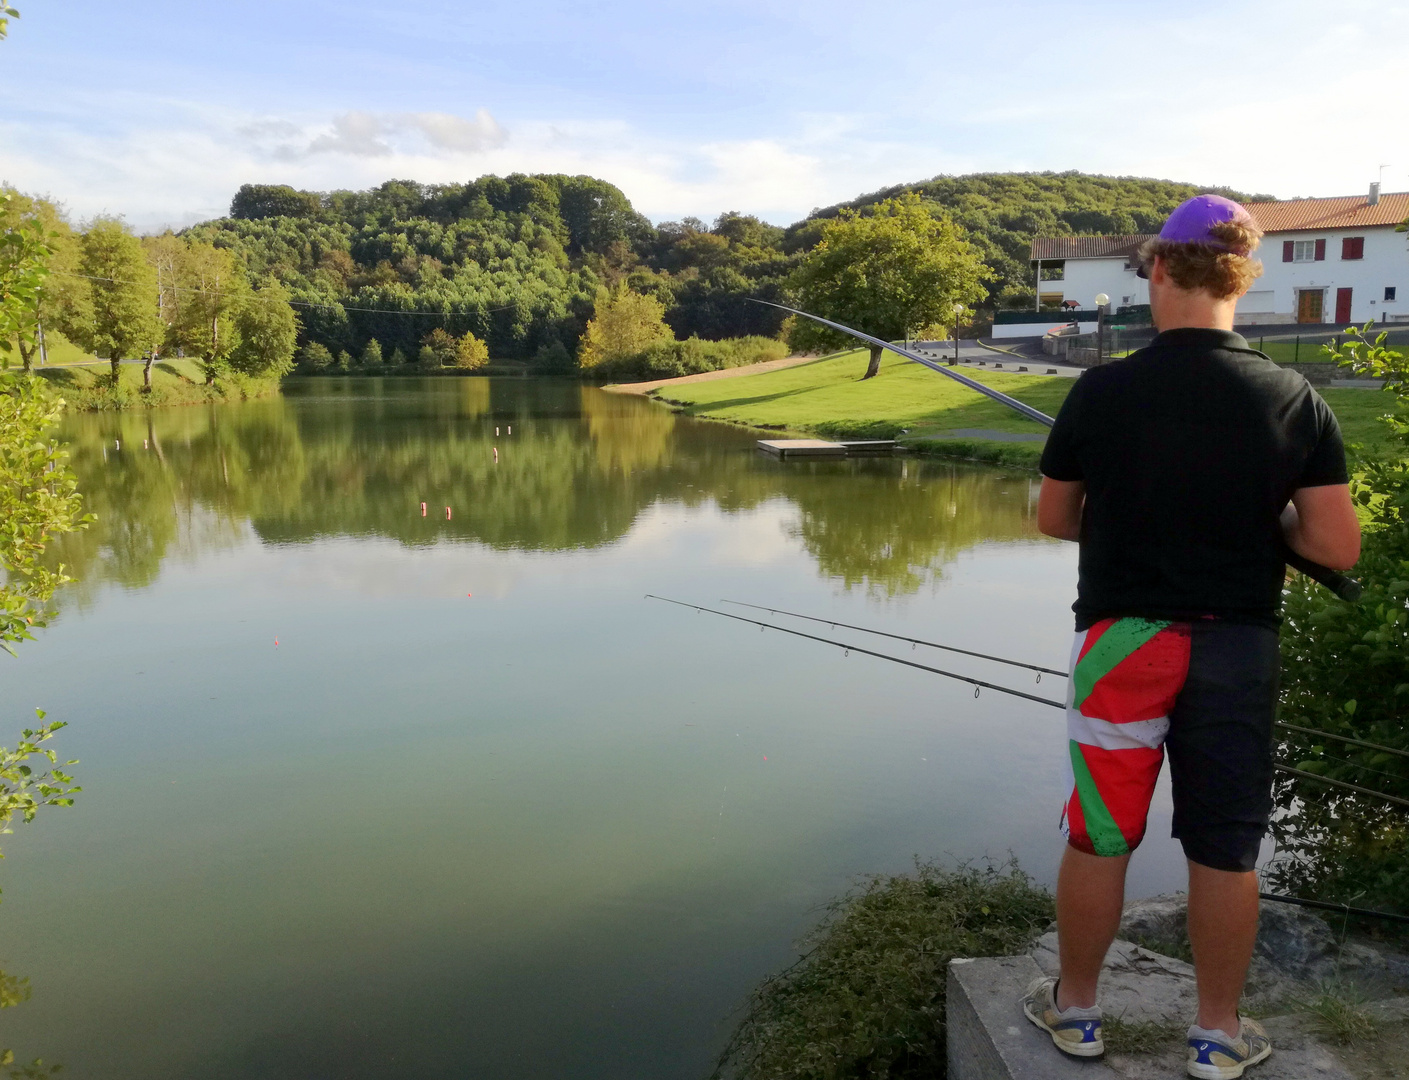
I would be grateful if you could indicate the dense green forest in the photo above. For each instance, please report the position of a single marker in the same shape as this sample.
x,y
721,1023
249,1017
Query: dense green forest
x,y
518,261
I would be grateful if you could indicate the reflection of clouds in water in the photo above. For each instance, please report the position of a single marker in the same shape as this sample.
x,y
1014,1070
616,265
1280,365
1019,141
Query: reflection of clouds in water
x,y
383,568
754,537
665,534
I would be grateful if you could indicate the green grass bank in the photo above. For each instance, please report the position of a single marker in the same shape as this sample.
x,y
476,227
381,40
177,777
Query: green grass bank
x,y
827,398
174,382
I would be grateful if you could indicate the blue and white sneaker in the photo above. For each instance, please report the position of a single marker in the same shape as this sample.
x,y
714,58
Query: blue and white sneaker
x,y
1075,1031
1214,1056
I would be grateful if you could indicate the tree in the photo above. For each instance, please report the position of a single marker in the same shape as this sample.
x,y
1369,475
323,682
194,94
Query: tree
x,y
470,352
212,291
622,323
315,357
443,345
897,268
428,358
122,322
267,331
372,355
24,266
63,293
398,359
254,202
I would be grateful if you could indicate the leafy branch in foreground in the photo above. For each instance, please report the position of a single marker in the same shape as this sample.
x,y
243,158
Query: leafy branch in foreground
x,y
21,790
38,500
1345,671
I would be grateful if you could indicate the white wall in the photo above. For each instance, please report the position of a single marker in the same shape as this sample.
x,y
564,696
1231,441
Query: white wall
x,y
1037,329
1273,297
1085,278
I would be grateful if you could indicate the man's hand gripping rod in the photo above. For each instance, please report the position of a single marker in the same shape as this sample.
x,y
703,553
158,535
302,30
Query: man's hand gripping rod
x,y
1344,587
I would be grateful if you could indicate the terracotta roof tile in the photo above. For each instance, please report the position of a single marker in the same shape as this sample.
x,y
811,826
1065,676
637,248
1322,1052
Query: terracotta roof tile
x,y
1342,212
1086,247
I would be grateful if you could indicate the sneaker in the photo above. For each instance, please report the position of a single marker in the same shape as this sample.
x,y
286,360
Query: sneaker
x,y
1214,1056
1075,1031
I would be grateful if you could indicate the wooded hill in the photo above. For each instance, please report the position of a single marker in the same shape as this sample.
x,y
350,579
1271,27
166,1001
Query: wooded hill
x,y
518,260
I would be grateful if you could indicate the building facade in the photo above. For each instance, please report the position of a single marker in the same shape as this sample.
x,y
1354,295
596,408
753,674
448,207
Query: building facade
x,y
1337,260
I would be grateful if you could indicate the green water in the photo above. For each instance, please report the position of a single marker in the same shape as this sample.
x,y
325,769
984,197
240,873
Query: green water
x,y
484,811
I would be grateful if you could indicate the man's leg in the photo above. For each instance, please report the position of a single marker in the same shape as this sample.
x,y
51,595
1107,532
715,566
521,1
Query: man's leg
x,y
1090,895
1222,930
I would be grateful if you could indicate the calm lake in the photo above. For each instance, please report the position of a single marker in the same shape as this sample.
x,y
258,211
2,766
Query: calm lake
x,y
375,794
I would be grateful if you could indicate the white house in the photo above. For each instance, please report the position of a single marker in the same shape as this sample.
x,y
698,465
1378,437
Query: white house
x,y
1336,260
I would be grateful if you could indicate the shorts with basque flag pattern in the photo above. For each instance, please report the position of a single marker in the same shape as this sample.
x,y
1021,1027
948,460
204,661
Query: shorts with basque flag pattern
x,y
1207,691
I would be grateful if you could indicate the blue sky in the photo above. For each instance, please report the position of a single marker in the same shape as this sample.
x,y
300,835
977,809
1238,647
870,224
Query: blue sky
x,y
160,110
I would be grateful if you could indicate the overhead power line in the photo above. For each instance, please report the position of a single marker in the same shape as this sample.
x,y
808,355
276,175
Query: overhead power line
x,y
291,303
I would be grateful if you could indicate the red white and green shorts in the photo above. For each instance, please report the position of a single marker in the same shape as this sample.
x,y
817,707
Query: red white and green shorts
x,y
1206,691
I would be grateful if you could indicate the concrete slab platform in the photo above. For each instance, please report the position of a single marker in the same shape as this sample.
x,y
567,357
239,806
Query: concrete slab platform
x,y
987,1035
802,448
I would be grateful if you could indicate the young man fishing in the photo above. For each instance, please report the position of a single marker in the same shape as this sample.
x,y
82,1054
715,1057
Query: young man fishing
x,y
1180,471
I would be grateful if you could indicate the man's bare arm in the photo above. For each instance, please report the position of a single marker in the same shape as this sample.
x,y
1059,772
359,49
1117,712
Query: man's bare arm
x,y
1320,524
1059,506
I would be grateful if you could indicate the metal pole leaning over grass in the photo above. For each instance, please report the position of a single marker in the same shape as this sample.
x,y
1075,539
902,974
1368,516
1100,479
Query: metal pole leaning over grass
x,y
1346,588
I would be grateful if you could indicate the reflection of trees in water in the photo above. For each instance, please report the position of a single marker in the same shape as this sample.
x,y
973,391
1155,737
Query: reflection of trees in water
x,y
357,457
895,532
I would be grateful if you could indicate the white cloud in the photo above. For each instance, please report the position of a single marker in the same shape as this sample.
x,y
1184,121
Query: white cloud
x,y
366,134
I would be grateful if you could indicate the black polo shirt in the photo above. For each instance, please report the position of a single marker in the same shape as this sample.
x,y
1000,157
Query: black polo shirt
x,y
1189,450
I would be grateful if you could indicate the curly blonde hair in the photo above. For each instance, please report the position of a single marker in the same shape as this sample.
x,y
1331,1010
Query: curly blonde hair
x,y
1222,270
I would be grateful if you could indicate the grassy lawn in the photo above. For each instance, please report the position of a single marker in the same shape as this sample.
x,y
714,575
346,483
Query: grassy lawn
x,y
827,398
174,382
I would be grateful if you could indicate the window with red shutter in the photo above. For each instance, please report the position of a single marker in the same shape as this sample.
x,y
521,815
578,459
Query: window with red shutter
x,y
1353,247
1287,250
1320,250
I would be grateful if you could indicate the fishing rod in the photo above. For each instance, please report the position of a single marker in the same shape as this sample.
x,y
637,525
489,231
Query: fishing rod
x,y
899,637
977,684
1346,588
1380,747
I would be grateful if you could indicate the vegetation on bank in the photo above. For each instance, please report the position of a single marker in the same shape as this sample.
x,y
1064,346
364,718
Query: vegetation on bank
x,y
1345,675
922,408
172,382
867,998
519,260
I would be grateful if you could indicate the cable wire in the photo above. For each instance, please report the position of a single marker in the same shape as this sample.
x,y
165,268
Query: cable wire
x,y
291,303
1344,739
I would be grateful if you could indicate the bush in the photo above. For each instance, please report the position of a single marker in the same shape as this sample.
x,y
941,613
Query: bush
x,y
470,352
670,359
315,357
1345,671
867,1000
552,356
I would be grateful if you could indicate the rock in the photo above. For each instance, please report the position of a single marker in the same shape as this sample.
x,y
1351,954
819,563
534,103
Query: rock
x,y
1292,943
1136,984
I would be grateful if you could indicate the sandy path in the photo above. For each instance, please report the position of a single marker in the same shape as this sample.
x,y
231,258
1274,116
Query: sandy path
x,y
706,376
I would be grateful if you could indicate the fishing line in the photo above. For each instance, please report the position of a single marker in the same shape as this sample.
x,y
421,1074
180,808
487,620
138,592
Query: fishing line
x,y
900,637
976,683
1346,588
979,683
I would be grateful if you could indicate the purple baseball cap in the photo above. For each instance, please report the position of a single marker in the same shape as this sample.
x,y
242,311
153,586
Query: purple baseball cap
x,y
1192,219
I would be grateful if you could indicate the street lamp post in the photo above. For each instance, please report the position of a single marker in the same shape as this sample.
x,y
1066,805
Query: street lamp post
x,y
1101,301
958,310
